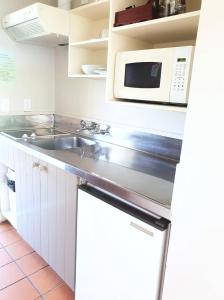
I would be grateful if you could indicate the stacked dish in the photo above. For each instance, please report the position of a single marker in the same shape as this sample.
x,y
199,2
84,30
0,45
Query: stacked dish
x,y
94,69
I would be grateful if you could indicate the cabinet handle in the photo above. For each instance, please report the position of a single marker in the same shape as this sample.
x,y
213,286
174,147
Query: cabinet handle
x,y
43,169
142,229
36,165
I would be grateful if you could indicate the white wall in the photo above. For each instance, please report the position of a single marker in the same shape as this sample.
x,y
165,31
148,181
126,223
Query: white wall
x,y
196,254
85,98
36,80
34,68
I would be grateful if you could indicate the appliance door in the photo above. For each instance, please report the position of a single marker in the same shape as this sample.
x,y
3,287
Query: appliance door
x,y
119,256
8,198
144,75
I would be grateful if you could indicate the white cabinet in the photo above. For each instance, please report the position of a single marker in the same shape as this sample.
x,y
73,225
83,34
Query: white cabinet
x,y
28,199
7,162
119,256
46,212
45,207
7,152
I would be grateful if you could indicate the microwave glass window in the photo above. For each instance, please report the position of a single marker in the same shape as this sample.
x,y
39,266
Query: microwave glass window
x,y
146,75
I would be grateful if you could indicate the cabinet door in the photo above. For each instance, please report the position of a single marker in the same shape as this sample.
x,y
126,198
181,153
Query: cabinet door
x,y
28,198
3,150
20,172
7,150
46,212
58,220
118,256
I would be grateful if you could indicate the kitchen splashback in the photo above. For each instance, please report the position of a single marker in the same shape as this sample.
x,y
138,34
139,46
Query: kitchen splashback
x,y
31,121
161,146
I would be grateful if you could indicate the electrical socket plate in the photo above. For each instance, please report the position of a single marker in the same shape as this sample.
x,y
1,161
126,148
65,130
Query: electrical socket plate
x,y
4,105
27,105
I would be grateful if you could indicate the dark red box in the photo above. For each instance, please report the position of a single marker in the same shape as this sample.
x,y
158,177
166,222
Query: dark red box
x,y
136,14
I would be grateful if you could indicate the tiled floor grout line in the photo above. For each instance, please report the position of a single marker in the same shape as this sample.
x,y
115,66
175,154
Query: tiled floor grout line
x,y
6,264
4,246
26,276
13,260
7,230
54,288
12,284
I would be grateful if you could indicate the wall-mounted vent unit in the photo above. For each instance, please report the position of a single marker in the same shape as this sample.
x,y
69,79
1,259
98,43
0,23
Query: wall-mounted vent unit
x,y
38,24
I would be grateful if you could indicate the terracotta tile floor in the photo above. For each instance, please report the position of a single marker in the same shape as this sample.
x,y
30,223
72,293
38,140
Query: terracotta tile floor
x,y
24,275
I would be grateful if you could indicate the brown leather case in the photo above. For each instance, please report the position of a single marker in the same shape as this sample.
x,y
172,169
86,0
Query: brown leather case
x,y
136,14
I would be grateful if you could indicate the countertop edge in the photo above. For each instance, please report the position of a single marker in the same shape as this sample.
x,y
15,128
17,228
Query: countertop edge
x,y
138,200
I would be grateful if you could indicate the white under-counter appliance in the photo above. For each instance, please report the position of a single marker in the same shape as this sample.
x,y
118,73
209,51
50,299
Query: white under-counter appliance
x,y
39,24
120,250
155,75
8,196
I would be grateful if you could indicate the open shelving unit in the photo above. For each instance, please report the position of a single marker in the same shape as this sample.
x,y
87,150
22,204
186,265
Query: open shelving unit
x,y
86,47
170,29
95,10
100,43
90,76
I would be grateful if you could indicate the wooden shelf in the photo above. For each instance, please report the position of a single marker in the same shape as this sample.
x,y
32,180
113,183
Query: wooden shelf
x,y
181,27
94,44
93,76
95,11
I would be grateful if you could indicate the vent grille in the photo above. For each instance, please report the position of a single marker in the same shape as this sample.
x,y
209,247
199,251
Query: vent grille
x,y
26,30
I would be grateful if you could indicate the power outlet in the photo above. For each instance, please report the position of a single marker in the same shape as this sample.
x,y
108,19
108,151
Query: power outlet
x,y
4,105
27,105
84,2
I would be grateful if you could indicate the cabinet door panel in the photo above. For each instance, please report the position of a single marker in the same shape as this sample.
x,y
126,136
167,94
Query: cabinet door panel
x,y
44,211
46,214
35,207
51,217
70,229
3,150
58,221
61,215
28,200
20,165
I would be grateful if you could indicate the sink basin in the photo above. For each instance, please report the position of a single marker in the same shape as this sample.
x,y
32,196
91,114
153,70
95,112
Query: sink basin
x,y
29,133
61,143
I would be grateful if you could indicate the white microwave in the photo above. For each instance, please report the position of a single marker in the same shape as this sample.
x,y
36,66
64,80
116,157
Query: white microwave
x,y
154,75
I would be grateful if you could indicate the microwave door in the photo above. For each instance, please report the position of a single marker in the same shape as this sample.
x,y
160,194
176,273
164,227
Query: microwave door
x,y
144,75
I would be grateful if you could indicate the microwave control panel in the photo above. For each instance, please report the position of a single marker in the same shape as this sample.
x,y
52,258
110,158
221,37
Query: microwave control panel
x,y
181,75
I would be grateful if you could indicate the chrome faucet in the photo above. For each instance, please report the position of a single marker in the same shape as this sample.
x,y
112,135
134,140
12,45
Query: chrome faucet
x,y
84,126
93,127
102,129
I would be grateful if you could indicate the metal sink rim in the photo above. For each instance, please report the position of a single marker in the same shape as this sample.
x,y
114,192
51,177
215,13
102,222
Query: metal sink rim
x,y
50,143
49,135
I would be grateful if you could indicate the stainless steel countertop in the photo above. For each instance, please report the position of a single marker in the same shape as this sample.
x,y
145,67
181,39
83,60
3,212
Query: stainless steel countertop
x,y
143,180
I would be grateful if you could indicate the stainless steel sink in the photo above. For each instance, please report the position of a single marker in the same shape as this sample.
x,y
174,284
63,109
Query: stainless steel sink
x,y
32,133
61,143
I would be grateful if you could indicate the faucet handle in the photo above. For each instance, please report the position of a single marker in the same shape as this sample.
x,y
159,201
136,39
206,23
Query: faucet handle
x,y
103,129
83,124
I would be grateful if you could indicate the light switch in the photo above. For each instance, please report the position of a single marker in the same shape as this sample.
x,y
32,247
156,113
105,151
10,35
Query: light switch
x,y
27,105
4,105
